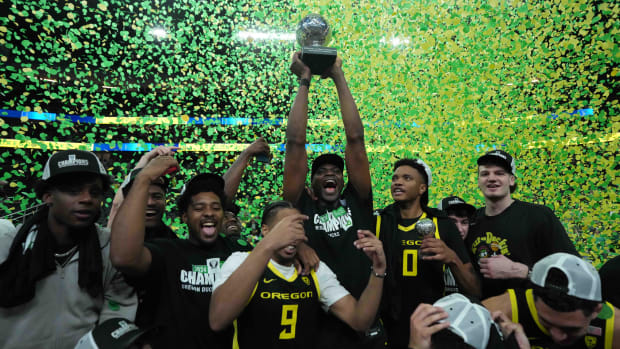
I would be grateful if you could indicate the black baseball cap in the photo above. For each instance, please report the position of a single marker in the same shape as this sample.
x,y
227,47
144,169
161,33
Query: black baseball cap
x,y
72,161
332,159
67,162
500,158
455,202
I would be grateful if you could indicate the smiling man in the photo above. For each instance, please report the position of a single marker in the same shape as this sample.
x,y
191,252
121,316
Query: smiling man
x,y
509,235
336,209
564,308
277,308
183,271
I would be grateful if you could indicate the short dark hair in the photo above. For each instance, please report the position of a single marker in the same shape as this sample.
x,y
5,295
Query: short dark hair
x,y
272,209
65,179
419,168
202,183
554,294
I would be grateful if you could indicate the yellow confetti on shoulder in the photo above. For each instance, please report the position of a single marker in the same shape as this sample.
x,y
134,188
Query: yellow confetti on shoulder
x,y
23,119
102,6
185,117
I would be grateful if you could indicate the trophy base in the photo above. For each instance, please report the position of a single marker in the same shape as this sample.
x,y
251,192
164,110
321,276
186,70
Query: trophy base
x,y
318,58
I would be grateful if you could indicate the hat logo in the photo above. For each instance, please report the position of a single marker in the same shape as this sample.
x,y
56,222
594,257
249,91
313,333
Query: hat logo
x,y
497,153
124,328
455,201
72,161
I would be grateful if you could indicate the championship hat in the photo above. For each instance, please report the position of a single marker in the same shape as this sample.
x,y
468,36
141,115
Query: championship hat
x,y
67,162
71,161
583,279
500,158
115,333
455,202
470,321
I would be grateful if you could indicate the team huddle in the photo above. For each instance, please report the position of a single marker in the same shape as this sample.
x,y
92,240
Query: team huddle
x,y
330,270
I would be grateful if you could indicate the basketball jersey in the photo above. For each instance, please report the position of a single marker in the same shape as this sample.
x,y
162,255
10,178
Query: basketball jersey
x,y
281,313
599,335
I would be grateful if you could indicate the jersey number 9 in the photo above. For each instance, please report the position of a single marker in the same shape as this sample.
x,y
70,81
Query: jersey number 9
x,y
289,320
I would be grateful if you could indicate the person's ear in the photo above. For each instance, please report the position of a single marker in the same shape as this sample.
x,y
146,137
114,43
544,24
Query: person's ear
x,y
423,188
264,230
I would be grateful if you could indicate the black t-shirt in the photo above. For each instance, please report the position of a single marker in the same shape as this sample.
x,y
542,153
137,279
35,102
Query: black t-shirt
x,y
281,313
610,281
183,274
523,232
419,281
600,330
331,233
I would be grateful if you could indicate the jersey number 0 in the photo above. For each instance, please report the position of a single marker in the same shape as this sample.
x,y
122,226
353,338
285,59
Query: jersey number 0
x,y
410,262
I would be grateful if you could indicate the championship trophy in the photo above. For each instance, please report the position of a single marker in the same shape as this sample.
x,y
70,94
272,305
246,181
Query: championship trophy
x,y
312,33
425,227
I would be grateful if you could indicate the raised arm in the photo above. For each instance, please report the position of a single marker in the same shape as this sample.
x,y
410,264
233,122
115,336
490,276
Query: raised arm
x,y
118,196
296,159
230,298
360,314
127,251
356,158
232,177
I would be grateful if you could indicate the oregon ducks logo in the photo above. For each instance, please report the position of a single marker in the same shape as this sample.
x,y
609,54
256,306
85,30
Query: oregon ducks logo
x,y
590,342
305,280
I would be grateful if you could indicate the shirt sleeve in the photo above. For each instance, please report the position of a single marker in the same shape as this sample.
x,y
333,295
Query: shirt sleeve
x,y
230,265
7,234
557,240
120,299
331,289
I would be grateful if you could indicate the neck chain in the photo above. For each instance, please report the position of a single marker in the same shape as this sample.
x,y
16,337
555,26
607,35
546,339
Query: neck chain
x,y
65,254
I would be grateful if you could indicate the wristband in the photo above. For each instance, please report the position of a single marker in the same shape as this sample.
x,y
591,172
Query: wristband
x,y
380,276
304,82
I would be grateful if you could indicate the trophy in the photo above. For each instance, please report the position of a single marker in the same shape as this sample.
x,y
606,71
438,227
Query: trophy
x,y
425,227
312,33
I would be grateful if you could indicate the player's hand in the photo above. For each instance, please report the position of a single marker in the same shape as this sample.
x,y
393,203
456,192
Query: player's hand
x,y
158,166
501,267
158,151
368,242
299,68
424,322
436,250
307,259
508,327
288,231
259,147
335,70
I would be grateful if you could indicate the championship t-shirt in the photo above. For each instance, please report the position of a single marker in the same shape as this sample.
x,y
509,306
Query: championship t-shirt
x,y
523,232
184,274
